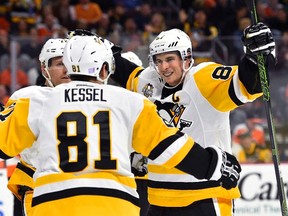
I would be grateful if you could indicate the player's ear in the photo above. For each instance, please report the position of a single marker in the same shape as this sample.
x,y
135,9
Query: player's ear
x,y
104,71
43,70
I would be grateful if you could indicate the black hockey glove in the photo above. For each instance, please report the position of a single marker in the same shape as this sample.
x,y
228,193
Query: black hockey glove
x,y
138,164
227,168
1,107
258,39
82,32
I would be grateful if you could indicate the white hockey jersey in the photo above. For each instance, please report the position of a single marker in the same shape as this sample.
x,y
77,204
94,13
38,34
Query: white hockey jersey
x,y
200,108
81,135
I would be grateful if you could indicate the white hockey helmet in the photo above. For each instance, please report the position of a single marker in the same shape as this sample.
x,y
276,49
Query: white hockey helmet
x,y
172,40
131,56
85,55
52,48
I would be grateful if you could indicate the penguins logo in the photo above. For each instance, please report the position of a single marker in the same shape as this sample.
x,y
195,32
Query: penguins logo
x,y
171,114
7,112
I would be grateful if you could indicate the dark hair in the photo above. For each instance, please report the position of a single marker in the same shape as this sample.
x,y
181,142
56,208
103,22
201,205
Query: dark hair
x,y
51,59
82,78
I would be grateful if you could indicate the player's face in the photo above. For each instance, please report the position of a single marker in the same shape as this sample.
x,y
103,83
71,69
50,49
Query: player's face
x,y
246,142
169,67
58,71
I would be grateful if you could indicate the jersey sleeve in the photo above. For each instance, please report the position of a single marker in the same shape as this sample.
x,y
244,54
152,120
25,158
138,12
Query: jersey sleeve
x,y
22,176
221,86
151,136
15,132
126,72
167,146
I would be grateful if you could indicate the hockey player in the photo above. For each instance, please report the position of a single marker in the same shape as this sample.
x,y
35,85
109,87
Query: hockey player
x,y
197,100
83,133
21,183
138,162
52,67
131,56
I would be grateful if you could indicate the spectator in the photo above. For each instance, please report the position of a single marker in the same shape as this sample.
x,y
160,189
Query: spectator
x,y
21,29
117,17
236,47
255,126
4,23
255,109
184,21
4,95
279,22
283,105
106,5
248,150
282,52
64,12
143,16
23,9
32,47
5,76
47,23
156,25
49,27
60,32
224,10
264,11
4,43
129,4
87,14
272,7
130,36
204,30
237,116
104,28
231,23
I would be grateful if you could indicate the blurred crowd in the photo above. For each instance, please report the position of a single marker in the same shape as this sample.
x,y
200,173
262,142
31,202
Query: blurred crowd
x,y
214,26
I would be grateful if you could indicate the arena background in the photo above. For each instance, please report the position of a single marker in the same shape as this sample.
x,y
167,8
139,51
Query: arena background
x,y
133,24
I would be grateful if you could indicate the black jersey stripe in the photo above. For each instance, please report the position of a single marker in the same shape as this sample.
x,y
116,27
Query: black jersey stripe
x,y
233,96
4,156
26,169
183,185
84,191
164,144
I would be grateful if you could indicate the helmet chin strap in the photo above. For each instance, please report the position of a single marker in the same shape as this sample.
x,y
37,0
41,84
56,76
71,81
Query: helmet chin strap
x,y
185,71
48,78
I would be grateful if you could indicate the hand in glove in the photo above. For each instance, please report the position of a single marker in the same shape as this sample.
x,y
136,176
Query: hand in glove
x,y
258,39
82,32
227,170
138,164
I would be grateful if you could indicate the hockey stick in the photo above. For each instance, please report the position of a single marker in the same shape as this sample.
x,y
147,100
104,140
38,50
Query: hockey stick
x,y
266,98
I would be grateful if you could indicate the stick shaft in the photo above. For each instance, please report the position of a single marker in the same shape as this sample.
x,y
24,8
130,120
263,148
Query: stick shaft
x,y
267,103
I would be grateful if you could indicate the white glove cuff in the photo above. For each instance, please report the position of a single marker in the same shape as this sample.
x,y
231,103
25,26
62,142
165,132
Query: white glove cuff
x,y
217,172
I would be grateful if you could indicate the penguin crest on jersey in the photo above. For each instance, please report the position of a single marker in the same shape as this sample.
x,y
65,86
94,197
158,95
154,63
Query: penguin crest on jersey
x,y
171,114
